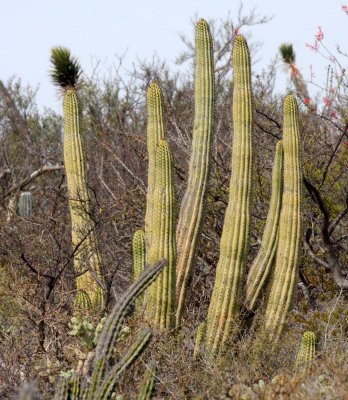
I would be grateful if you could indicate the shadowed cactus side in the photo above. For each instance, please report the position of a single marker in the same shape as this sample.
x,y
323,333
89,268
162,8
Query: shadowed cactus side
x,y
261,267
138,253
285,274
65,73
225,302
191,210
306,354
160,302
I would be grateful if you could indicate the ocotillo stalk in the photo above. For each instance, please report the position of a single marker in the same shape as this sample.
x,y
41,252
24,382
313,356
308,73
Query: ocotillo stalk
x,y
307,351
285,274
225,302
191,211
155,133
161,296
65,73
261,267
138,250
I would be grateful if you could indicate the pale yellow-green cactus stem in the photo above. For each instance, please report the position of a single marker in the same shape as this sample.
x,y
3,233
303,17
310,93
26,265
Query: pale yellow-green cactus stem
x,y
226,297
192,206
285,276
86,254
160,307
261,267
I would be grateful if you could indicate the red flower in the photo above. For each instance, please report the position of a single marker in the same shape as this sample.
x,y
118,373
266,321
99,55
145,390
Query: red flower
x,y
235,31
327,101
345,9
306,100
314,46
320,35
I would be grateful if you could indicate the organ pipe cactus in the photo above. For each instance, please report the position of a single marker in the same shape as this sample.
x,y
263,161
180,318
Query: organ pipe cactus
x,y
191,211
155,133
285,274
225,302
138,251
307,351
261,267
161,296
65,73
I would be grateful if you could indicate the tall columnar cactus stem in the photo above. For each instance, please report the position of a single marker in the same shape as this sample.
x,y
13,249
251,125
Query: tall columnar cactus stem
x,y
155,133
285,274
138,250
307,352
65,73
191,211
224,305
261,267
161,299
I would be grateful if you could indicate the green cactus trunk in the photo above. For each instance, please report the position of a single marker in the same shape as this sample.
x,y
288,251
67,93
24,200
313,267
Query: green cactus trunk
x,y
261,267
191,211
225,302
161,297
285,275
155,133
138,250
83,234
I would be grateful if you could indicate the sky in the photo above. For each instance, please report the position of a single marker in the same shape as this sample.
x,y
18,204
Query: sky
x,y
98,30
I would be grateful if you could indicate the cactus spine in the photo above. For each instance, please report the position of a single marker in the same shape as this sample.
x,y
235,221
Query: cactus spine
x,y
286,266
161,299
138,250
306,354
155,133
224,305
65,73
261,267
190,218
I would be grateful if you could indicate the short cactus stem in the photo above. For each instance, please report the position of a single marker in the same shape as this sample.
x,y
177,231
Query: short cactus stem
x,y
306,354
83,228
25,205
199,339
155,133
225,301
261,267
160,307
138,251
285,275
191,211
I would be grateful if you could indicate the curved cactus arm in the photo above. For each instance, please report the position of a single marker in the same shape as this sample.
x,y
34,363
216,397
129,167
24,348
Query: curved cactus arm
x,y
261,267
191,210
160,307
147,388
104,387
285,274
225,301
114,322
155,133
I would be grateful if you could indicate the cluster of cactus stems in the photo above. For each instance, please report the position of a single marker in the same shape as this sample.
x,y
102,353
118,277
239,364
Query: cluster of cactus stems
x,y
306,353
261,267
225,302
191,210
105,375
285,274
